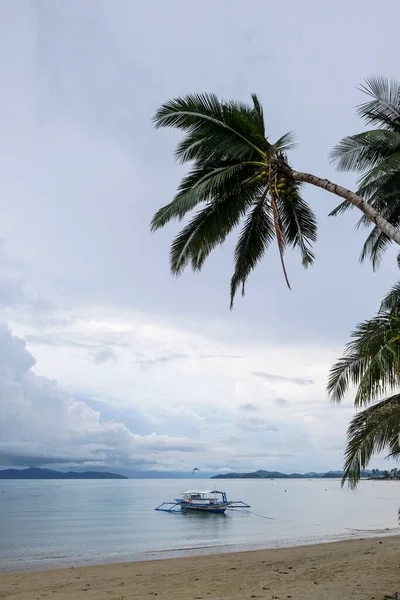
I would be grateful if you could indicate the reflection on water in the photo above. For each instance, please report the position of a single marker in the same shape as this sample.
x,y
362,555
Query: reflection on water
x,y
60,523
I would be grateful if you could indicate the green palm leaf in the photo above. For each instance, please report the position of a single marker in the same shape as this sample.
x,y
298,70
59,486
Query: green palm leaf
x,y
384,108
370,432
208,228
365,150
375,155
258,115
374,247
387,202
370,362
201,184
236,173
299,225
285,143
381,174
391,302
255,238
224,128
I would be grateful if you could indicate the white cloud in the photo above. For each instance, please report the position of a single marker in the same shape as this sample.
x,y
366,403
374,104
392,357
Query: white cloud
x,y
42,424
181,402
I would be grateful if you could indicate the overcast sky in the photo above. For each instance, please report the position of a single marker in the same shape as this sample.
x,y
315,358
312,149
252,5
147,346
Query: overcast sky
x,y
107,360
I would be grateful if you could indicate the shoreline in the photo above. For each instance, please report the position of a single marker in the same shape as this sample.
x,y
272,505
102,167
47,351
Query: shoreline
x,y
63,562
357,569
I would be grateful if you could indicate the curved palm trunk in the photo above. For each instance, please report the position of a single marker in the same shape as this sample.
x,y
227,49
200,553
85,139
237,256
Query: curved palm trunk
x,y
392,232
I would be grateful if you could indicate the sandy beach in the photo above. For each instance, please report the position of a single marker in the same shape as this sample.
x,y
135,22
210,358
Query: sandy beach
x,y
357,569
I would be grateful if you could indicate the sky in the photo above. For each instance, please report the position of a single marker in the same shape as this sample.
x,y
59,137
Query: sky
x,y
106,360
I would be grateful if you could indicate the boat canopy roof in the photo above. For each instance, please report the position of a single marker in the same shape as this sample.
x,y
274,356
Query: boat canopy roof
x,y
202,492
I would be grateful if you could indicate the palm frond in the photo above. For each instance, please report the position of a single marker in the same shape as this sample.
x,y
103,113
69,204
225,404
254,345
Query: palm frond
x,y
382,191
384,196
380,174
371,361
391,302
375,247
279,237
255,237
365,150
285,143
388,206
348,370
200,185
208,228
299,224
258,114
371,431
211,124
376,154
384,108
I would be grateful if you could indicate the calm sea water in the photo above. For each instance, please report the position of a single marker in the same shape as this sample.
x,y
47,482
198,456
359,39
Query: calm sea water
x,y
47,524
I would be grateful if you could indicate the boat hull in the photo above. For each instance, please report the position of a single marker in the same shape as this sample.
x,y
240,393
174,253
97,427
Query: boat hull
x,y
209,509
219,508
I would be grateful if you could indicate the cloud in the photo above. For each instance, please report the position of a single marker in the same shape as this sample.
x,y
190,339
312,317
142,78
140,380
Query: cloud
x,y
281,402
229,356
43,424
281,378
249,406
103,356
14,289
254,424
160,360
159,418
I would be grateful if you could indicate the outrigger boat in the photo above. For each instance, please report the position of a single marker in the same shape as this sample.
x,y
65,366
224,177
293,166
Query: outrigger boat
x,y
203,501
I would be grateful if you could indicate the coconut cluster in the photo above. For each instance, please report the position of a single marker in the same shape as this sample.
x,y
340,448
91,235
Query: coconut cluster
x,y
286,188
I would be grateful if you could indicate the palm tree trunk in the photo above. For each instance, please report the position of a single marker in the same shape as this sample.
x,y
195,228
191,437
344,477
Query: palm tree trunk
x,y
392,232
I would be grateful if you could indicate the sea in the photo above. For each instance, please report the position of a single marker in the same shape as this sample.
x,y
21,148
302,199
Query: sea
x,y
49,524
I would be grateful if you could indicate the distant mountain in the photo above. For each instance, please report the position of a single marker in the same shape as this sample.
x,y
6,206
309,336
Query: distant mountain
x,y
277,475
35,473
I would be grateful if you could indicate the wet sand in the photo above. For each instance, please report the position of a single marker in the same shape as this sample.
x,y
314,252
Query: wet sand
x,y
356,569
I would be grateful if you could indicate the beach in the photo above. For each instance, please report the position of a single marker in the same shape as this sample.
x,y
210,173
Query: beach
x,y
357,569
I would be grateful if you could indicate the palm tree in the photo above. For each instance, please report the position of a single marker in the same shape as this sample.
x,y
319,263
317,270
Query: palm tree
x,y
238,174
375,155
371,362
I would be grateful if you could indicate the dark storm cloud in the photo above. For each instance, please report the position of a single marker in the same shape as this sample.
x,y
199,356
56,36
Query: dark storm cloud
x,y
32,457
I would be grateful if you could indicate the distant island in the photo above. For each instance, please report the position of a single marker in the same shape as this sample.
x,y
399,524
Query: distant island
x,y
36,473
277,475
